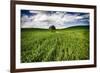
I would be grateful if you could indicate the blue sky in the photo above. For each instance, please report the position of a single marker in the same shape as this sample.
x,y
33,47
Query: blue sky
x,y
60,19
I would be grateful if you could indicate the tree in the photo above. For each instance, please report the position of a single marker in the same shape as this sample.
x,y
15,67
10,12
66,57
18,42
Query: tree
x,y
52,27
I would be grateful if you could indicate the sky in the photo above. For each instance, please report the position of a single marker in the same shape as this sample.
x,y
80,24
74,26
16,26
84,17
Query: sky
x,y
60,19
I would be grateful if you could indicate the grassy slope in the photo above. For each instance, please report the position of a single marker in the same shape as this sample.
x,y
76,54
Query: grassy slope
x,y
44,45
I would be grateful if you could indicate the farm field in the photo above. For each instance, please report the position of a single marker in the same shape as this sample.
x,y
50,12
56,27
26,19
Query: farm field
x,y
43,45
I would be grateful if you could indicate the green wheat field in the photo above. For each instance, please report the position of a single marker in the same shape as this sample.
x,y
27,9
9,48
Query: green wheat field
x,y
44,45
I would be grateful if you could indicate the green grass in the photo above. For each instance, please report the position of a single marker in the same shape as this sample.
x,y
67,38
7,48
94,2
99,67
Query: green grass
x,y
43,45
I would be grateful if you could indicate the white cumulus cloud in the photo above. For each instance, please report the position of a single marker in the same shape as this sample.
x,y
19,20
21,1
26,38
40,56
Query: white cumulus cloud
x,y
41,19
